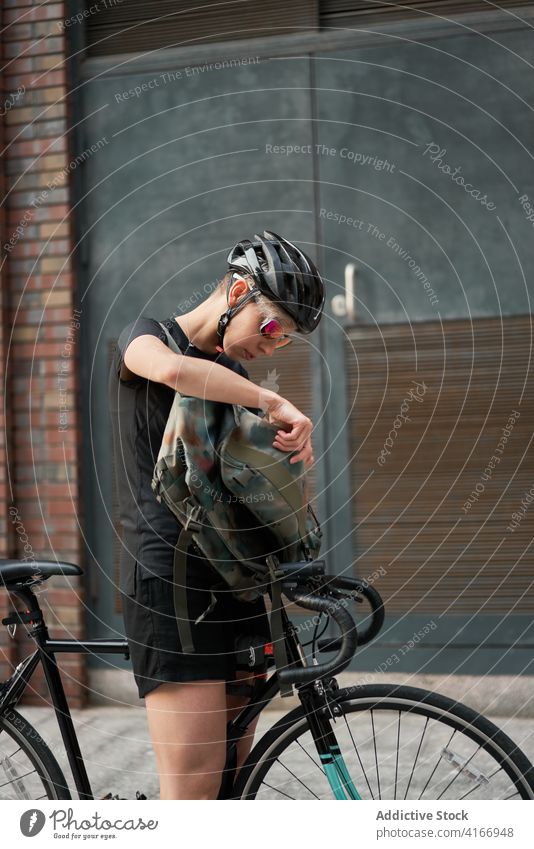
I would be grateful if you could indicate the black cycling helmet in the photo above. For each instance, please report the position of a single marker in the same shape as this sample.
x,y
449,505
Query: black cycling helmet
x,y
281,272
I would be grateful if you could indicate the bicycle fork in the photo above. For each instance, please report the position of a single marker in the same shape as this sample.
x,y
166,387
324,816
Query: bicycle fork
x,y
316,705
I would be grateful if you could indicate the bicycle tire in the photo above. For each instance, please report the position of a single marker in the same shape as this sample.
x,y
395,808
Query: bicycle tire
x,y
458,773
28,769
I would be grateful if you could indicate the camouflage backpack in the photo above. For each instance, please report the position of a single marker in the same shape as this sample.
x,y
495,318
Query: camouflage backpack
x,y
237,497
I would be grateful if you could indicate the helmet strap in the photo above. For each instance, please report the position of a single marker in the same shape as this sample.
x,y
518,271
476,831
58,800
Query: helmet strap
x,y
224,319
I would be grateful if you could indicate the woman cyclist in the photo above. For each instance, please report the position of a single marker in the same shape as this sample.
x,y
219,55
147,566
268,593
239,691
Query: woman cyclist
x,y
270,289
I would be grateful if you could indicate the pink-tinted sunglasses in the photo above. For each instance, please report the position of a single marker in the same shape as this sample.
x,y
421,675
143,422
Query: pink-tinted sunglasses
x,y
272,329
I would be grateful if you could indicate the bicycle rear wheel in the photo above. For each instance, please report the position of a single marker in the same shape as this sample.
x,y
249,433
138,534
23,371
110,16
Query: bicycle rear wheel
x,y
28,769
397,742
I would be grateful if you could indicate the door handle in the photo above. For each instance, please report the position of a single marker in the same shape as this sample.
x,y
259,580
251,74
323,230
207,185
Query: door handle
x,y
344,306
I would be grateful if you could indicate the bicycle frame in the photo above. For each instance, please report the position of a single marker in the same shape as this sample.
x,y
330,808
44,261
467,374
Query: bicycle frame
x,y
316,702
11,690
325,741
314,698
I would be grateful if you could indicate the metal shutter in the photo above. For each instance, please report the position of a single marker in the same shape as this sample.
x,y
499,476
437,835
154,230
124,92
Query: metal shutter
x,y
142,25
338,13
409,511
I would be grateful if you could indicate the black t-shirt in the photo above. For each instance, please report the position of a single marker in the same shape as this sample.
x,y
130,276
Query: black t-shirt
x,y
139,410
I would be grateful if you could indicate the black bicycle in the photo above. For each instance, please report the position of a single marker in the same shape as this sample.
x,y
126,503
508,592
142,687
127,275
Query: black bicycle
x,y
365,742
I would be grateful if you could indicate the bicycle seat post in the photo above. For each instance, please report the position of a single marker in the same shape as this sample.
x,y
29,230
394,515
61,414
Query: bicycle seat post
x,y
32,615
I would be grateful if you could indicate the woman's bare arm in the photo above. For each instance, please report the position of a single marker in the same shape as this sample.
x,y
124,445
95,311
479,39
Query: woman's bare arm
x,y
149,357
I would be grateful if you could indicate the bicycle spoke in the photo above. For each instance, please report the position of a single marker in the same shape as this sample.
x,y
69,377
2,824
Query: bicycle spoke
x,y
500,769
275,789
296,778
12,755
376,754
358,756
310,757
436,766
28,769
397,757
19,778
416,757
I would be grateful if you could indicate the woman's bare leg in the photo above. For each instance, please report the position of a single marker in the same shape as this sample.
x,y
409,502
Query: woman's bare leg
x,y
235,703
187,724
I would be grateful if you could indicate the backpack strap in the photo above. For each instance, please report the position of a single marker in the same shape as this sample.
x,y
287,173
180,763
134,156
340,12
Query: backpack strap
x,y
185,541
180,591
172,344
277,629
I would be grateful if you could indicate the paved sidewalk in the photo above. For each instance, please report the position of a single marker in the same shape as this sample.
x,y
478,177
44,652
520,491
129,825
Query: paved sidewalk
x,y
119,758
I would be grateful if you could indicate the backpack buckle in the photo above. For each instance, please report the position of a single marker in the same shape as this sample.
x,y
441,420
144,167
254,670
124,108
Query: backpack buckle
x,y
191,522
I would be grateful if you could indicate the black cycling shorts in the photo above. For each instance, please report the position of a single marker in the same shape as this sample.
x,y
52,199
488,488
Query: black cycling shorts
x,y
152,630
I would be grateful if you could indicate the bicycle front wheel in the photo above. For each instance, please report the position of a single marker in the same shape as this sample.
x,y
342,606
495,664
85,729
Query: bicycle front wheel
x,y
28,769
395,742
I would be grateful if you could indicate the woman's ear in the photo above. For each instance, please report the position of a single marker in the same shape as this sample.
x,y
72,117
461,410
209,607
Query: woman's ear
x,y
238,288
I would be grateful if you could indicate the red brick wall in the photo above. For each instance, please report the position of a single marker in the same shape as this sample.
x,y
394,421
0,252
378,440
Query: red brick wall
x,y
40,446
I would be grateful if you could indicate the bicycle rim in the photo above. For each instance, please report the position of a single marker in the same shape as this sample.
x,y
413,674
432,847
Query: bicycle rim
x,y
28,769
395,743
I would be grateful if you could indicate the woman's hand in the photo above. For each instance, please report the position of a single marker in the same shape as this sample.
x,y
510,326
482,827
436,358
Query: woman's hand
x,y
296,435
306,454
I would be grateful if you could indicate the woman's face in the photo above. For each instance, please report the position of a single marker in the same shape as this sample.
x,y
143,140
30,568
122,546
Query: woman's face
x,y
242,338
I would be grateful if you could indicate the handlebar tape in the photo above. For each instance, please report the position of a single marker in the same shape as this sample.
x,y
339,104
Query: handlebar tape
x,y
349,639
